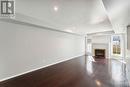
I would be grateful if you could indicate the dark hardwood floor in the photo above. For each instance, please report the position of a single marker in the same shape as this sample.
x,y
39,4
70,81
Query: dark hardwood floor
x,y
78,72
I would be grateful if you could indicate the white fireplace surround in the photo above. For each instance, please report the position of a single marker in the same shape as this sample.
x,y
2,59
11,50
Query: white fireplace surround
x,y
101,46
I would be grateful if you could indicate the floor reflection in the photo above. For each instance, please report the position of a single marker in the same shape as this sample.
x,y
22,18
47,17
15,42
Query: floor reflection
x,y
84,71
107,72
89,67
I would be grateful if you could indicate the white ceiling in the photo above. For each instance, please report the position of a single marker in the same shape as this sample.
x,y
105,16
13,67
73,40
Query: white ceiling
x,y
77,16
118,13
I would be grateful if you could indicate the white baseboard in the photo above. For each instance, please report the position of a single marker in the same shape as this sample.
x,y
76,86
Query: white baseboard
x,y
37,68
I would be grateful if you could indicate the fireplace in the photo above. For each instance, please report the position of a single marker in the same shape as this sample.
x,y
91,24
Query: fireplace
x,y
99,53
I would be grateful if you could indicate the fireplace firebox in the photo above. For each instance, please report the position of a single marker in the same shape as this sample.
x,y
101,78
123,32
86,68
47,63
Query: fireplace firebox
x,y
99,53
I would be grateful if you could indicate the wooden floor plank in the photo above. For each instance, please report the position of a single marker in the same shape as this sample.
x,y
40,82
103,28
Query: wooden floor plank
x,y
78,72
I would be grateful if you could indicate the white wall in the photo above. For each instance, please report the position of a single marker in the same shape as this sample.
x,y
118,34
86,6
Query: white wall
x,y
101,39
25,48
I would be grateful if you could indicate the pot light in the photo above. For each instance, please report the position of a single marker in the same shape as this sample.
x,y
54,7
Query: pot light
x,y
56,8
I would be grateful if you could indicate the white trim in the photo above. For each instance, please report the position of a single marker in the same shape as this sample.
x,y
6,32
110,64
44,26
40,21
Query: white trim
x,y
38,68
14,21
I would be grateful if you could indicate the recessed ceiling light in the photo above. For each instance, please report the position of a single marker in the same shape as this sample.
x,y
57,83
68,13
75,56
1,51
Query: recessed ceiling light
x,y
56,8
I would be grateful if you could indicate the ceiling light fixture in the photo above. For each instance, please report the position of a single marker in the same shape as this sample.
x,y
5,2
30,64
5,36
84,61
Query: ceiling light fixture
x,y
56,8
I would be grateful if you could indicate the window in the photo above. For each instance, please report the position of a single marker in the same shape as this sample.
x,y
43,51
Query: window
x,y
116,45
